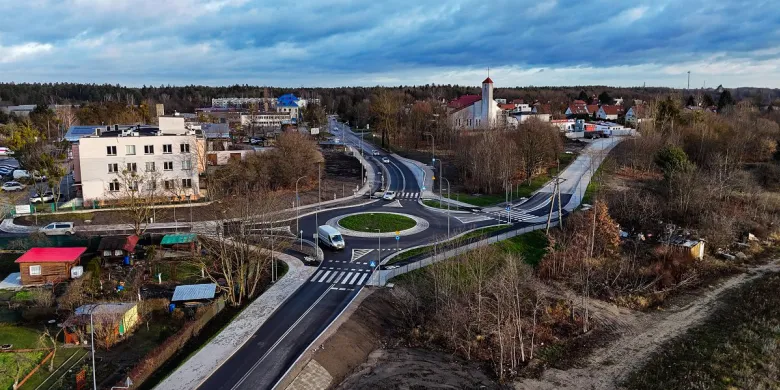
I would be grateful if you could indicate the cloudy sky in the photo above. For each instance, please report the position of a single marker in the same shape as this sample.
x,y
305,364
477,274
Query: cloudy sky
x,y
344,42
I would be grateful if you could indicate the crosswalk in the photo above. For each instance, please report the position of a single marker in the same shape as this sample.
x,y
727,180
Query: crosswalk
x,y
515,215
341,279
408,195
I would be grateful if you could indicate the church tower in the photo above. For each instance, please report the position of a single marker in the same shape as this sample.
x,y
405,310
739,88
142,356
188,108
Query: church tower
x,y
488,116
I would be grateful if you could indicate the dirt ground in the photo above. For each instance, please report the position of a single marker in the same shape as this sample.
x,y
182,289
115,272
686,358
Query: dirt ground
x,y
639,334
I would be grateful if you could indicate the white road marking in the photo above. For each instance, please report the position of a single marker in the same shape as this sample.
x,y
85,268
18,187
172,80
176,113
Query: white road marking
x,y
358,253
331,277
324,276
344,281
354,278
361,278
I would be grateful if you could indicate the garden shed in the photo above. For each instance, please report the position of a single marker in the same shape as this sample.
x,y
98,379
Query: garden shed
x,y
48,265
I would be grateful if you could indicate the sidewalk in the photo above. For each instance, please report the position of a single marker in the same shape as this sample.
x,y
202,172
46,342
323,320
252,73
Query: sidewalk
x,y
201,365
421,172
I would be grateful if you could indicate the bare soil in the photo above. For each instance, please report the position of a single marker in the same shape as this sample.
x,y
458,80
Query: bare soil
x,y
638,336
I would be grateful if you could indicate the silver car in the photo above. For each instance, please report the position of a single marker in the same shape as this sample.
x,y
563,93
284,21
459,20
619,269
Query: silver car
x,y
12,186
57,229
389,195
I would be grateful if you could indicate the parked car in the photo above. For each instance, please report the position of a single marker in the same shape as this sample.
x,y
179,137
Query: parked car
x,y
47,197
20,174
12,186
385,160
389,195
57,229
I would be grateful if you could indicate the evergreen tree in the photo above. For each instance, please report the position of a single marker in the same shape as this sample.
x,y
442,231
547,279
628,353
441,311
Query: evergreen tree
x,y
725,100
690,102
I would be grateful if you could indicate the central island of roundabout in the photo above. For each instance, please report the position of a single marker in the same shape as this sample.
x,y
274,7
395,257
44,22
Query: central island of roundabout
x,y
378,224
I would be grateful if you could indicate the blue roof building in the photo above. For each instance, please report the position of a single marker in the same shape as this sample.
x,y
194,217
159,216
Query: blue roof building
x,y
287,100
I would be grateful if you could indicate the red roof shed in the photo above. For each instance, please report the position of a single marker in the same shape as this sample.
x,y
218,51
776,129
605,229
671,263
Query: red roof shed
x,y
48,265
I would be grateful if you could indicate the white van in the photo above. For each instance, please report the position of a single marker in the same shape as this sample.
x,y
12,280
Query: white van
x,y
331,237
57,229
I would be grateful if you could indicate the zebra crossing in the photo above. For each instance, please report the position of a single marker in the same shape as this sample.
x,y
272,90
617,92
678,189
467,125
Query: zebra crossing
x,y
407,195
345,278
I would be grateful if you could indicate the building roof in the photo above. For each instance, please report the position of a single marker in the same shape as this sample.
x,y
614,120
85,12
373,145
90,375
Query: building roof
x,y
506,107
194,292
578,108
215,130
464,101
487,81
52,255
178,238
105,310
76,132
126,243
612,109
592,108
639,111
543,108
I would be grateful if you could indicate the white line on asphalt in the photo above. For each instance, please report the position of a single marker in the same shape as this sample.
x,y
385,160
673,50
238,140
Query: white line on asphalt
x,y
246,375
331,277
354,278
317,275
361,279
344,281
324,276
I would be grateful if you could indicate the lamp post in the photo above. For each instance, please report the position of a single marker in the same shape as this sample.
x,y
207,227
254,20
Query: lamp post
x,y
317,212
441,175
92,333
448,206
379,255
433,147
298,207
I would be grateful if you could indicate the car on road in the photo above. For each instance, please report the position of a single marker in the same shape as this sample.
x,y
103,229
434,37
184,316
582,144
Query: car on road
x,y
57,229
12,186
331,237
389,195
375,152
47,197
385,160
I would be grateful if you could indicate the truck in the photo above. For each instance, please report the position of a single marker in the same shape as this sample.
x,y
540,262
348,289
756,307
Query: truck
x,y
331,237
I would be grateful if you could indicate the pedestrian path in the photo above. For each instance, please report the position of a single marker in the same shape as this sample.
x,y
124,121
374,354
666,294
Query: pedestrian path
x,y
341,279
407,195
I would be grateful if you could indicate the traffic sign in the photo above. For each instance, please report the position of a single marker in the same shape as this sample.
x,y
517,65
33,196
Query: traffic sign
x,y
397,233
397,238
508,208
372,263
423,188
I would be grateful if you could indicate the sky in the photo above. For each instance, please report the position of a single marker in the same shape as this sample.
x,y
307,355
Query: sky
x,y
400,42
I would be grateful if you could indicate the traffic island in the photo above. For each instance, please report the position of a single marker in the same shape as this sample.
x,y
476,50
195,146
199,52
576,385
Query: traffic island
x,y
378,224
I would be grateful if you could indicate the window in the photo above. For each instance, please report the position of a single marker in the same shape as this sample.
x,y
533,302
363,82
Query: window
x,y
148,149
110,150
185,148
113,168
113,186
130,150
118,252
186,165
186,183
168,165
132,167
150,166
167,149
35,270
107,253
169,184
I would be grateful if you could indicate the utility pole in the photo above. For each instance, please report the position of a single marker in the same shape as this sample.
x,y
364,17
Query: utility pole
x,y
317,213
560,207
689,79
552,204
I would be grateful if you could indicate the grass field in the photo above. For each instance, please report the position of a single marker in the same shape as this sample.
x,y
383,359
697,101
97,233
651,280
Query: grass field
x,y
20,338
67,356
370,222
426,249
435,204
737,347
532,246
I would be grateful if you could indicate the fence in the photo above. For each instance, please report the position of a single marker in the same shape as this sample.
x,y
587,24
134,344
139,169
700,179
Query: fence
x,y
385,275
158,356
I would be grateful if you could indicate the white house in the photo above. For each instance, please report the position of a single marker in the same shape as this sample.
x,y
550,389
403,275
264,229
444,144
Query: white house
x,y
609,112
474,111
166,164
637,114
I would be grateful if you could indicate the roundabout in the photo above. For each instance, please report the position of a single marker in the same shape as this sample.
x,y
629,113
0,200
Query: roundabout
x,y
378,224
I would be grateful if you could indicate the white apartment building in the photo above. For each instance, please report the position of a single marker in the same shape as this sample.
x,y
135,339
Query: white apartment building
x,y
267,119
166,165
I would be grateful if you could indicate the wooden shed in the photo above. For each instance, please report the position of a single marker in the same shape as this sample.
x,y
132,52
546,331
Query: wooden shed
x,y
111,320
48,265
117,247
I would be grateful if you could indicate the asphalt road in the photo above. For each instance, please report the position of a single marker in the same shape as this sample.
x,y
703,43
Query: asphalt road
x,y
263,361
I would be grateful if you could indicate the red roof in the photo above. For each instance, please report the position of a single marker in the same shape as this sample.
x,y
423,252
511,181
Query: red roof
x,y
507,107
578,108
612,110
578,102
592,108
130,243
487,81
464,101
52,255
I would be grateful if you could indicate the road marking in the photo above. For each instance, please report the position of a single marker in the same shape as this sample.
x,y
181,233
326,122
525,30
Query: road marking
x,y
317,275
361,279
354,278
358,253
294,325
324,276
331,277
344,281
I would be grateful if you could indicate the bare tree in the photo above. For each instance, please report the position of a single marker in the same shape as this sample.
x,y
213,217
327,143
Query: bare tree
x,y
137,193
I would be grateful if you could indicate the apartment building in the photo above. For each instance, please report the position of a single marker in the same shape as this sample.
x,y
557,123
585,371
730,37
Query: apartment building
x,y
112,165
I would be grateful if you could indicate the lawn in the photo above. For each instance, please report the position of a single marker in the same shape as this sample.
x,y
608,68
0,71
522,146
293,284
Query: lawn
x,y
593,186
427,249
370,222
435,204
20,338
532,246
45,218
67,356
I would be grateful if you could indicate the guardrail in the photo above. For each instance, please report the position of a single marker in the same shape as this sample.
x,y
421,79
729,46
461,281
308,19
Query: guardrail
x,y
387,274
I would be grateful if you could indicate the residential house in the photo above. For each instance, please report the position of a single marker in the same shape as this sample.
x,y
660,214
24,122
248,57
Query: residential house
x,y
609,112
110,320
48,265
577,108
592,109
164,159
637,114
118,248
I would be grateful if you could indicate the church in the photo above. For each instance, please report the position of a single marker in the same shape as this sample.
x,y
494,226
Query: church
x,y
475,111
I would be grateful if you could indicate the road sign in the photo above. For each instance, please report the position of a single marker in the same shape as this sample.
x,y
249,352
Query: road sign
x,y
372,263
397,233
397,238
508,208
423,188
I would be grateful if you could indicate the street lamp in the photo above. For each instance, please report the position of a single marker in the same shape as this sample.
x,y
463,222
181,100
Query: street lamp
x,y
448,206
92,342
433,147
379,255
298,208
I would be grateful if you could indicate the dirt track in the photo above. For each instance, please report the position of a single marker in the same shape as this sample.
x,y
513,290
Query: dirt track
x,y
640,335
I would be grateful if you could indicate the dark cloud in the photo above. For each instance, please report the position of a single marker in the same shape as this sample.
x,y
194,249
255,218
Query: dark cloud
x,y
240,39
